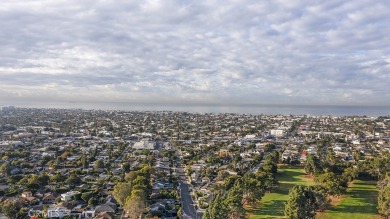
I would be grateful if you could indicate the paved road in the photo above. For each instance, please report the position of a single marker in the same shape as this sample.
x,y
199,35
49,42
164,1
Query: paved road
x,y
188,206
187,203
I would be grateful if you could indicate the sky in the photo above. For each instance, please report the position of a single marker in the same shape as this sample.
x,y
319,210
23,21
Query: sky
x,y
214,52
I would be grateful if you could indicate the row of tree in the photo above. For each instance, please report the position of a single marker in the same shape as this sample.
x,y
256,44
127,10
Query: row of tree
x,y
333,178
229,199
380,168
133,192
304,201
384,197
331,174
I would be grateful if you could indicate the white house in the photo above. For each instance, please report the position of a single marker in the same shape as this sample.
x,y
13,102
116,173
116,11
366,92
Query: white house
x,y
277,132
69,195
145,144
88,213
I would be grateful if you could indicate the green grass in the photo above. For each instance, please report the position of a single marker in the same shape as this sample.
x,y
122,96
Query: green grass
x,y
272,204
360,203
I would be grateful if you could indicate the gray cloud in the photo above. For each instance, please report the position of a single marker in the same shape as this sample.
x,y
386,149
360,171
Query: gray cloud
x,y
225,52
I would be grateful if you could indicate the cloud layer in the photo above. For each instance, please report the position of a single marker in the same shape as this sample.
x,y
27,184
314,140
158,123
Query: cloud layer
x,y
209,52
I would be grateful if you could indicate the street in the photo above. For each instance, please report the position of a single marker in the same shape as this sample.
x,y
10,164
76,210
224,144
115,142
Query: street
x,y
189,211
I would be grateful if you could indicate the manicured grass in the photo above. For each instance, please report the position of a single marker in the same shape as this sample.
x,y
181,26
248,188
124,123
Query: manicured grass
x,y
272,204
360,203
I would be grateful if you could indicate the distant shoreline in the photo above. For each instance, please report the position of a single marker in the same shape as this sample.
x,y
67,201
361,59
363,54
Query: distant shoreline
x,y
315,110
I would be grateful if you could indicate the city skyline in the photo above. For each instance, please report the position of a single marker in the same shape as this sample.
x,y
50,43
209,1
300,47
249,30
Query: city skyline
x,y
196,53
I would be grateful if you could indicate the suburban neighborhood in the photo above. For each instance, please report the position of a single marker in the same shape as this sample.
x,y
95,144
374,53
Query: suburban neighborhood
x,y
75,163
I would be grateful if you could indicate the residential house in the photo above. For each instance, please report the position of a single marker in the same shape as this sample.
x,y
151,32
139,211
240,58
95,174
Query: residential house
x,y
58,212
104,208
69,195
48,198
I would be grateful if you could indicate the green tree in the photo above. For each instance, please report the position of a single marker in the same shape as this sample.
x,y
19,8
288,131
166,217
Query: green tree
x,y
384,199
268,179
57,178
217,208
45,159
10,209
322,199
86,196
5,169
312,165
334,184
130,176
234,201
331,158
73,180
92,201
126,167
43,179
98,164
269,147
180,212
349,174
301,203
135,204
121,192
253,189
84,161
230,180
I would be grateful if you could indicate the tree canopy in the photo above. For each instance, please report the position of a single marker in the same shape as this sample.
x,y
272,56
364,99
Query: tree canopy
x,y
301,203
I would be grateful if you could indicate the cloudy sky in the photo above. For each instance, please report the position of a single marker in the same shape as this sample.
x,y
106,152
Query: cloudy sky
x,y
224,52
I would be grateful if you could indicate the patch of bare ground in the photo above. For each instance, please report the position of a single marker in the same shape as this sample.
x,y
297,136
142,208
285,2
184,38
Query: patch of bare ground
x,y
334,200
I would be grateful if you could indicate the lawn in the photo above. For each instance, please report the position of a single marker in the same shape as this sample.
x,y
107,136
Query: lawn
x,y
272,204
360,203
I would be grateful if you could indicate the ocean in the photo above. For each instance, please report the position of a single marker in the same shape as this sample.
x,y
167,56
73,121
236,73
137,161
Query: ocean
x,y
241,109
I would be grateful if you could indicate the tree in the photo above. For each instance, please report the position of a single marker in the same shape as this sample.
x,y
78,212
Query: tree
x,y
180,212
217,208
5,169
135,204
126,167
98,164
230,180
43,179
253,189
301,203
332,183
73,180
268,179
331,158
269,147
10,209
57,178
312,165
45,159
92,201
349,174
86,196
121,192
384,198
130,176
322,200
234,201
84,161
